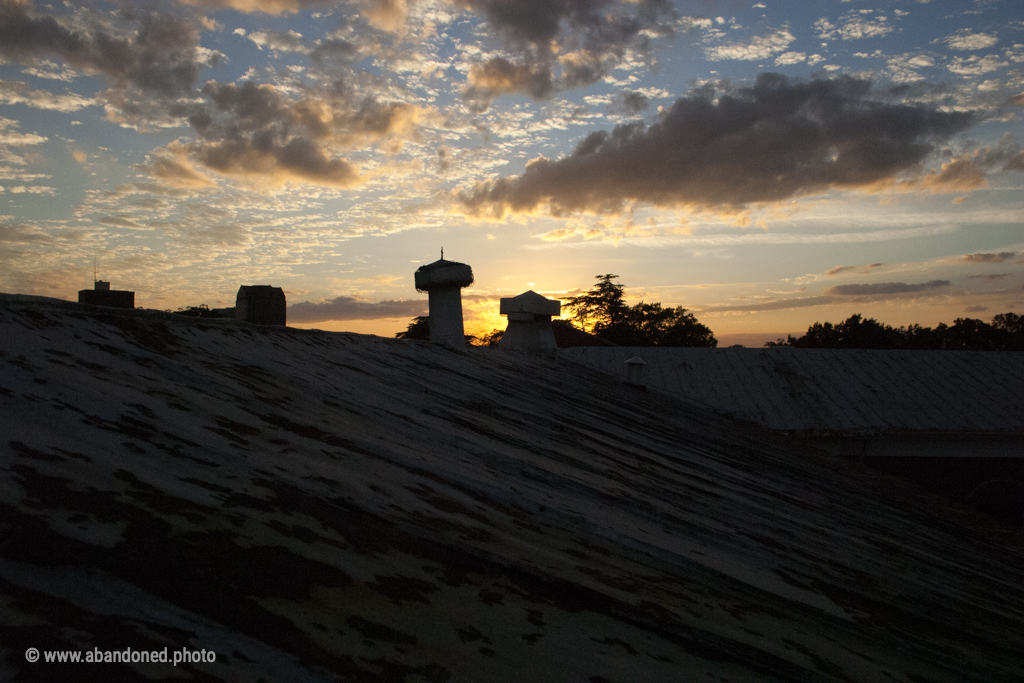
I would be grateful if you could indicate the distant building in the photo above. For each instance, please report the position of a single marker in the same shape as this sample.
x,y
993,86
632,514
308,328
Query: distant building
x,y
261,305
103,295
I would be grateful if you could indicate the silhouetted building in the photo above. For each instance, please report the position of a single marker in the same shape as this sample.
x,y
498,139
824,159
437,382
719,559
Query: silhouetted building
x,y
103,295
261,305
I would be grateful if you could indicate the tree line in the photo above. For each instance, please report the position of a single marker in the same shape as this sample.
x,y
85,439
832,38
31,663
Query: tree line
x,y
1004,333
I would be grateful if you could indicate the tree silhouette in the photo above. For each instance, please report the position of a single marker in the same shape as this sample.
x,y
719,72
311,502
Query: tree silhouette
x,y
602,311
419,329
1005,333
200,311
600,307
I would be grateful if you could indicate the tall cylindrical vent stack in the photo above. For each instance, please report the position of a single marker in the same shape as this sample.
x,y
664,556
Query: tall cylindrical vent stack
x,y
443,281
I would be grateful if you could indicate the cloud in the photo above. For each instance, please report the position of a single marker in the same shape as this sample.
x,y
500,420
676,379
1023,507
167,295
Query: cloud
x,y
884,288
258,132
556,45
350,308
389,15
160,53
32,189
596,23
265,6
959,175
119,222
965,40
171,165
989,258
499,76
281,41
759,47
333,51
975,65
748,238
19,233
777,140
991,277
838,270
1016,163
629,102
10,137
17,92
853,25
903,68
787,58
781,304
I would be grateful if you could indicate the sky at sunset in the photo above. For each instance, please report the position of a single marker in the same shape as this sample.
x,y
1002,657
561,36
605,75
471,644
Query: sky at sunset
x,y
766,165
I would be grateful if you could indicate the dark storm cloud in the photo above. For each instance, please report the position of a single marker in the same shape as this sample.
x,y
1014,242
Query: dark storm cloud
x,y
256,130
161,56
350,308
1006,155
884,288
561,44
989,258
602,24
832,295
780,305
1016,163
629,102
334,50
839,270
776,140
499,75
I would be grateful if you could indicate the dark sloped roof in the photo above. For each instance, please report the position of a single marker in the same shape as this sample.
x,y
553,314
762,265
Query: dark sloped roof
x,y
260,292
838,390
319,506
566,335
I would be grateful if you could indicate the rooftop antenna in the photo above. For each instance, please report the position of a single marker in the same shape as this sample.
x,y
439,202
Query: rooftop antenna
x,y
95,270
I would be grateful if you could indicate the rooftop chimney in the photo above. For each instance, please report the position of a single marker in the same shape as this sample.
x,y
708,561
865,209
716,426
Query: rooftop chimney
x,y
443,281
636,373
529,323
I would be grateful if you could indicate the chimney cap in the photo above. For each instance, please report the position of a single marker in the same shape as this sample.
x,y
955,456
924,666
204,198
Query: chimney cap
x,y
530,302
443,273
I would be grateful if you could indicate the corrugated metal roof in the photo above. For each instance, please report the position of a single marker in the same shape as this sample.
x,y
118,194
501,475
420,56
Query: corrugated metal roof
x,y
318,506
837,390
